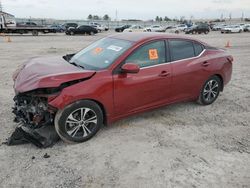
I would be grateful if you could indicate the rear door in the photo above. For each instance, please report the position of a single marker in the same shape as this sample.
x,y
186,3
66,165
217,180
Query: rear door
x,y
189,68
150,87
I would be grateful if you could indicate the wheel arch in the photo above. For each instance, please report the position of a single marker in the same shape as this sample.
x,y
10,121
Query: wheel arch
x,y
222,81
102,108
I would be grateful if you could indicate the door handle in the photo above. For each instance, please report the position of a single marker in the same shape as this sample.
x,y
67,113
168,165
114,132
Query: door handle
x,y
164,74
205,64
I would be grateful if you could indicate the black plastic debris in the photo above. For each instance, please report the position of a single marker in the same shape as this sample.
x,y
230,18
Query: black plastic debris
x,y
46,156
43,137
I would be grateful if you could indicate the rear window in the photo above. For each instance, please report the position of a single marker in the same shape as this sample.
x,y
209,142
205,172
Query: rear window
x,y
198,48
181,49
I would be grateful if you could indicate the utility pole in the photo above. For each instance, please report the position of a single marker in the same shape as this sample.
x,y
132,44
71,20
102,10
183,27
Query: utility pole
x,y
116,14
1,7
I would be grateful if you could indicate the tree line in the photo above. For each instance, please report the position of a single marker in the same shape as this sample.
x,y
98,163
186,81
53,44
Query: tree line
x,y
96,17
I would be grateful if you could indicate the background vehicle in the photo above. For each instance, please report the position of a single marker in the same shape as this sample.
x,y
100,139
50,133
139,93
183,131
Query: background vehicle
x,y
232,29
8,25
68,25
182,27
177,29
121,29
202,28
135,28
155,28
218,27
57,28
27,24
84,29
80,92
247,28
99,28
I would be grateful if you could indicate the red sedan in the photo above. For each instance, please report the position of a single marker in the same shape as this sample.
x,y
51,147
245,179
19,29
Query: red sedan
x,y
115,77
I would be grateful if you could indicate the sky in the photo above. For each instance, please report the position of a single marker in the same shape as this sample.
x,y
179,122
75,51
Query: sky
x,y
127,9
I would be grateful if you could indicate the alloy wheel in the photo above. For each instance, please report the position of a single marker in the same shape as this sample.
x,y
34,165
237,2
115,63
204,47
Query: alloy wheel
x,y
211,90
81,123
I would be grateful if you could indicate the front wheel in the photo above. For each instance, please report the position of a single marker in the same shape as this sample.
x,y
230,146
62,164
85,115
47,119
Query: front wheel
x,y
210,90
79,121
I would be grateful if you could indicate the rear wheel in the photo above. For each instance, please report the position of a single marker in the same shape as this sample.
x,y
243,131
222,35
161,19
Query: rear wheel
x,y
71,33
91,33
210,90
35,33
79,121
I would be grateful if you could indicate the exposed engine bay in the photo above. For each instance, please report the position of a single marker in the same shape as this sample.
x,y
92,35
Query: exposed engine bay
x,y
34,115
35,118
32,111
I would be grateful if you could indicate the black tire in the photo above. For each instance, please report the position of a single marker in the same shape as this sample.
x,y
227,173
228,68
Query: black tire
x,y
210,90
206,32
35,33
71,33
91,33
65,121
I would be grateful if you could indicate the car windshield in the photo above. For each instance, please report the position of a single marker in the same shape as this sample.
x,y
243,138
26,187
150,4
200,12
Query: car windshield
x,y
100,54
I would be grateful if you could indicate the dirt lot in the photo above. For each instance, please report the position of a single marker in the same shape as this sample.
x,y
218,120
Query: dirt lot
x,y
182,145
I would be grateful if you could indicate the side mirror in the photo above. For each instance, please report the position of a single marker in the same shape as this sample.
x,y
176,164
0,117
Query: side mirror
x,y
130,68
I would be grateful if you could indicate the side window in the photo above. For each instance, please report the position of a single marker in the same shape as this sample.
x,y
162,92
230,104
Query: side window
x,y
198,48
181,49
148,55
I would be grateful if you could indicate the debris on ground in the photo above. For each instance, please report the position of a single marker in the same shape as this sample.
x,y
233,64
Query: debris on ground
x,y
42,137
46,156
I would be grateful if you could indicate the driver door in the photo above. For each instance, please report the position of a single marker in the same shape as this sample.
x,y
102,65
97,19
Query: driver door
x,y
151,86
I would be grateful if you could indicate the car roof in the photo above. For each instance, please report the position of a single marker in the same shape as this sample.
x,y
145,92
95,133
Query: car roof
x,y
144,36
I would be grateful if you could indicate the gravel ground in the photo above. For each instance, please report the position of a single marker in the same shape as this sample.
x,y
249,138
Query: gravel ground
x,y
181,145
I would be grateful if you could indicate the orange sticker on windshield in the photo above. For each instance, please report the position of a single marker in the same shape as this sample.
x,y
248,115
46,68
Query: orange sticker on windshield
x,y
153,54
98,50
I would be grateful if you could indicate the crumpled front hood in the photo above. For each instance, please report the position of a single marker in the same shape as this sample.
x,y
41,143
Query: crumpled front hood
x,y
47,73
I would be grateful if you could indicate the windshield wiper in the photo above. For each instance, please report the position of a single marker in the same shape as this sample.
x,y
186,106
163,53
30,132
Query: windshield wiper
x,y
77,65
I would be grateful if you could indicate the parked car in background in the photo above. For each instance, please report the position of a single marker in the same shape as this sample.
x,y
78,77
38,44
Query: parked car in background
x,y
182,27
99,28
232,29
83,29
122,28
57,28
177,29
27,24
80,92
218,27
202,28
135,28
106,28
68,25
246,28
155,28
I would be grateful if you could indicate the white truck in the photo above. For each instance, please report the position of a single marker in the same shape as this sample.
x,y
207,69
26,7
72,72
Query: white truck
x,y
8,25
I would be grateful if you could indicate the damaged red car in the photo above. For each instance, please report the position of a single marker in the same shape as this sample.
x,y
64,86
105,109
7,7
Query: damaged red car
x,y
115,77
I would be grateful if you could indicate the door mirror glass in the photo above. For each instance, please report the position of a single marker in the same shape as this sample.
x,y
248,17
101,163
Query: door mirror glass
x,y
130,68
